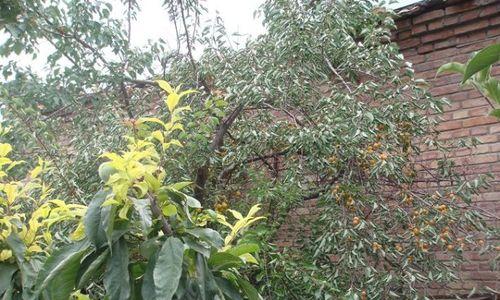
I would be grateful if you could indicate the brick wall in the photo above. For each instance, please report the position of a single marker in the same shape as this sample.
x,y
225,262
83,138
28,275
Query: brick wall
x,y
430,34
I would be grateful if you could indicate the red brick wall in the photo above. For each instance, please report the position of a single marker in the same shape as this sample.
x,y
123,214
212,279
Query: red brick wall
x,y
430,37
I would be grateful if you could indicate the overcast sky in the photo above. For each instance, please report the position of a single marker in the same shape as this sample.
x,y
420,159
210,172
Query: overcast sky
x,y
152,23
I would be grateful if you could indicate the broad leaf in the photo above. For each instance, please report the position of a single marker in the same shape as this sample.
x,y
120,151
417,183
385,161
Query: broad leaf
x,y
224,260
248,289
243,249
148,284
208,235
483,59
116,277
6,272
452,67
168,268
228,289
58,275
90,267
143,209
92,220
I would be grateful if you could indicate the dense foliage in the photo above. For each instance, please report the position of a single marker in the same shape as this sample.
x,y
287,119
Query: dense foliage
x,y
140,237
322,106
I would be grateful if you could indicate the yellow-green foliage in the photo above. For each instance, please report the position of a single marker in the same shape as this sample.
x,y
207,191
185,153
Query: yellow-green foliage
x,y
27,209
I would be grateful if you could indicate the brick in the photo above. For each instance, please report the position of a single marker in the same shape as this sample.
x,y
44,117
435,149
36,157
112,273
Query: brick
x,y
445,126
440,35
482,120
465,6
480,111
428,16
495,21
450,42
425,48
434,25
477,25
489,10
404,34
417,29
472,37
492,32
474,103
478,131
403,23
450,20
413,42
470,15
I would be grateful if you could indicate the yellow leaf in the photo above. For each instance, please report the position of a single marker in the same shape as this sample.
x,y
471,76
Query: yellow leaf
x,y
152,120
36,171
79,232
5,149
110,201
5,254
35,248
172,101
249,258
158,135
253,210
169,210
165,86
172,142
11,192
187,92
124,210
236,214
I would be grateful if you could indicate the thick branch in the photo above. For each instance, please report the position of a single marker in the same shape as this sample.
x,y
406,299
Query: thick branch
x,y
217,142
157,213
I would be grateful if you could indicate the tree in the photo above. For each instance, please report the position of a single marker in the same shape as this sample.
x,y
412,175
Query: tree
x,y
321,106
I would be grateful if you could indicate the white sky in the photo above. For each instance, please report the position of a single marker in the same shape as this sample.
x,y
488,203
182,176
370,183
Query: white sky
x,y
152,23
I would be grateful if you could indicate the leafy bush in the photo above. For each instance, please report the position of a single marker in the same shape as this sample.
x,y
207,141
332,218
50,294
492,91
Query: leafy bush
x,y
140,238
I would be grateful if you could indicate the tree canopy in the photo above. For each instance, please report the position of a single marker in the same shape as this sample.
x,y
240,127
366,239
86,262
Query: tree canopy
x,y
322,106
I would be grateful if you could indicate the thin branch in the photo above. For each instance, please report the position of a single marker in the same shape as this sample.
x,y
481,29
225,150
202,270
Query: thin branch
x,y
330,66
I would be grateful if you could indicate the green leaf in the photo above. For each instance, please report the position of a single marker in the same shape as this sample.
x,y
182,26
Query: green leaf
x,y
224,260
107,223
143,209
29,268
493,88
205,279
243,249
452,67
208,235
116,277
148,284
228,289
90,267
168,268
483,59
169,210
192,202
6,272
180,185
57,276
248,289
495,113
17,246
92,220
